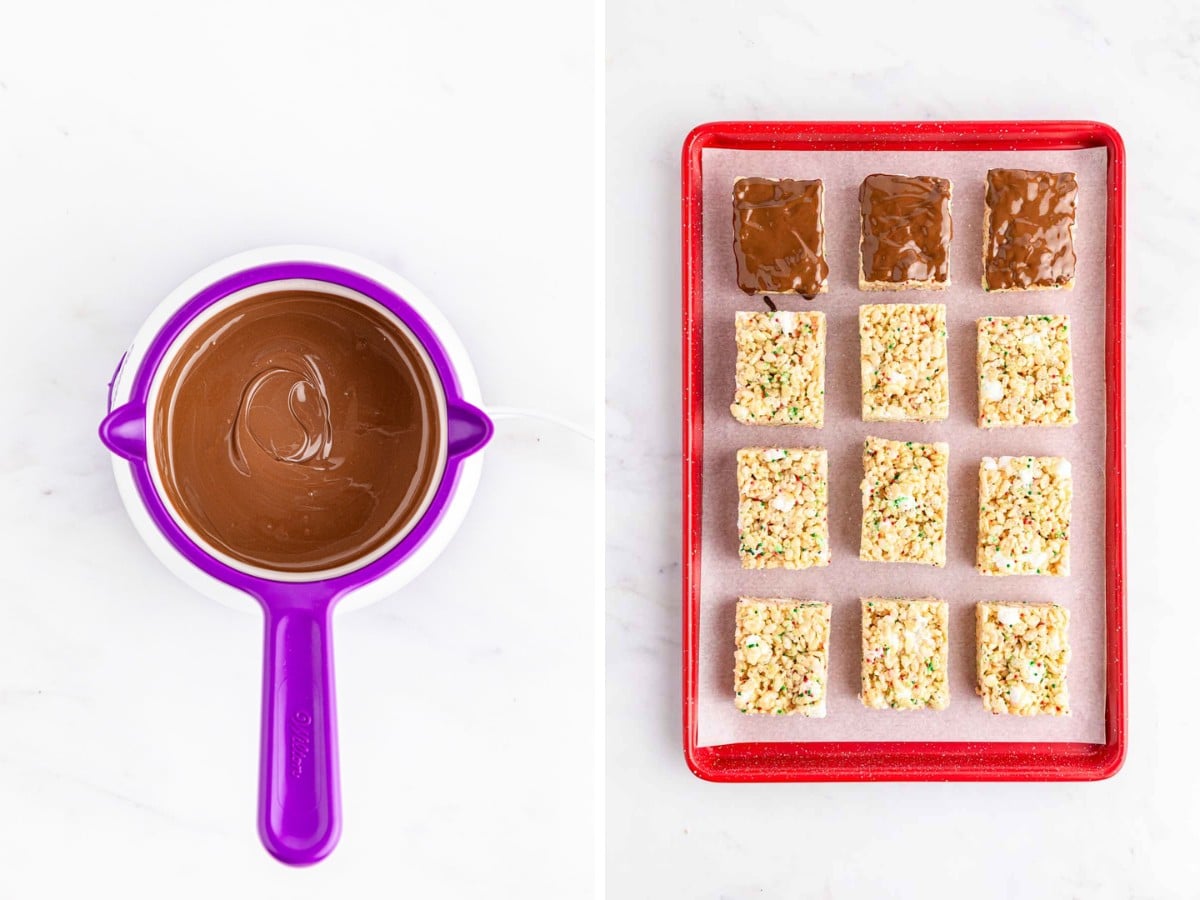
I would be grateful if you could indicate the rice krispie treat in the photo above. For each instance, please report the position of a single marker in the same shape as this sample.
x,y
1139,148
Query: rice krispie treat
x,y
1029,230
903,358
906,233
1024,515
1021,657
783,507
904,653
1025,371
905,491
781,656
780,368
779,236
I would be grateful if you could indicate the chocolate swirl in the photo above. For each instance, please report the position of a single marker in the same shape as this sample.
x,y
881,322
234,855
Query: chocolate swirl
x,y
284,413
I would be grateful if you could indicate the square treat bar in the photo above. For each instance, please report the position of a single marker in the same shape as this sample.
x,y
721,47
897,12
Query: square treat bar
x,y
783,508
903,357
1021,657
906,233
904,649
780,368
905,494
781,656
1024,515
1029,230
1025,371
779,236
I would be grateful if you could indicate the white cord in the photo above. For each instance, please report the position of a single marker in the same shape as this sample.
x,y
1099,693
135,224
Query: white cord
x,y
515,412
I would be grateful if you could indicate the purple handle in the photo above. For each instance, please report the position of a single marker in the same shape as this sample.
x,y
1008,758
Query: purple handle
x,y
123,431
299,805
468,428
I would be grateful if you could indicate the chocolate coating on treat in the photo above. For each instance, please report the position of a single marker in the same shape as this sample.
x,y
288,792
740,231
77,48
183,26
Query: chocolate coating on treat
x,y
1029,240
298,431
779,236
906,229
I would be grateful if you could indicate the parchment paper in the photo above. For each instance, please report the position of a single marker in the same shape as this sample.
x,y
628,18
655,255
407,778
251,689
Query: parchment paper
x,y
847,579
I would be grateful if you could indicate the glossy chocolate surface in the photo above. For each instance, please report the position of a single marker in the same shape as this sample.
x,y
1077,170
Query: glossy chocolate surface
x,y
1029,242
906,229
779,236
297,431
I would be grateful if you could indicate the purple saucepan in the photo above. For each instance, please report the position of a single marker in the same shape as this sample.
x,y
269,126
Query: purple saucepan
x,y
299,815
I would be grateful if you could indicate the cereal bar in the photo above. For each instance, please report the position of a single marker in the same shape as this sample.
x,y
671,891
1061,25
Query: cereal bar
x,y
1024,515
903,357
783,511
779,236
904,653
906,231
1021,657
905,495
781,656
780,374
1029,230
1024,365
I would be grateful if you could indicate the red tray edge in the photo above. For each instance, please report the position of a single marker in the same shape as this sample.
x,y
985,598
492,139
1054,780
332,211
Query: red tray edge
x,y
922,760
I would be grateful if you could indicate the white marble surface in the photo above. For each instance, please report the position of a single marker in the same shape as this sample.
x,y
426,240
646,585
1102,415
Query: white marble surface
x,y
141,142
671,66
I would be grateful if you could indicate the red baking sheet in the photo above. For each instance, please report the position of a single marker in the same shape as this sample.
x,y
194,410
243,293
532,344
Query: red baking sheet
x,y
906,761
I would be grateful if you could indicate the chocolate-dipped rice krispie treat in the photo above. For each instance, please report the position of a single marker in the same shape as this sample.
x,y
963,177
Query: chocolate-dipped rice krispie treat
x,y
1021,656
904,653
906,232
781,656
905,496
779,236
1024,365
1029,230
783,507
780,372
1024,515
903,362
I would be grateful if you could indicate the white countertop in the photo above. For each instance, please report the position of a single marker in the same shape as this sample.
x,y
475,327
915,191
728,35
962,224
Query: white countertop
x,y
673,66
140,144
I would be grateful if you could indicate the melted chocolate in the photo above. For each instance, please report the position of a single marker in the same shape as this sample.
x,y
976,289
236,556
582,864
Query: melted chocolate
x,y
906,229
779,236
1029,239
297,431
